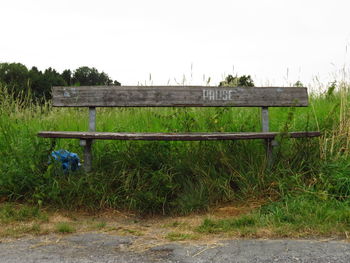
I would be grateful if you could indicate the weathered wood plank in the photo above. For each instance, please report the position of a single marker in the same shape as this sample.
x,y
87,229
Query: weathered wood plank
x,y
265,119
88,155
266,128
195,136
178,96
92,119
87,143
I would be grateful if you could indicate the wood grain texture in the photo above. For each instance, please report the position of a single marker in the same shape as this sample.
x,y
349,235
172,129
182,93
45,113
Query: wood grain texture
x,y
178,96
88,155
194,136
92,119
265,119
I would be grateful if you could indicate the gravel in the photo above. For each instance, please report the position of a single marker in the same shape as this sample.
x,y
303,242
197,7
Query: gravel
x,y
98,247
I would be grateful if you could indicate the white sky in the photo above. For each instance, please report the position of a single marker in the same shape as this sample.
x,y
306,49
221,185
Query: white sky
x,y
132,39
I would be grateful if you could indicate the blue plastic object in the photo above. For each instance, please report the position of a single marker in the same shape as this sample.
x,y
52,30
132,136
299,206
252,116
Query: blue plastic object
x,y
70,161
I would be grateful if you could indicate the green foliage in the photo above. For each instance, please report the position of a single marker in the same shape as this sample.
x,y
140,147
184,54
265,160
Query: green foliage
x,y
42,82
298,84
11,212
307,211
100,225
67,76
65,228
226,225
174,177
301,214
331,89
176,236
15,76
335,179
18,79
85,76
242,81
19,231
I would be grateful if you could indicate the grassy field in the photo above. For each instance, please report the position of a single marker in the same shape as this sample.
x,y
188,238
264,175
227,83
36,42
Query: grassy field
x,y
307,189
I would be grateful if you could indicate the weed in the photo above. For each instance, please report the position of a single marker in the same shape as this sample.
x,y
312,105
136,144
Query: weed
x,y
176,236
11,212
226,225
174,224
100,225
21,230
64,228
132,232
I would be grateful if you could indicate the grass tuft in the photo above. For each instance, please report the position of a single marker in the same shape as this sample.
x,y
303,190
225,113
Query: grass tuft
x,y
100,225
226,225
11,212
177,236
64,228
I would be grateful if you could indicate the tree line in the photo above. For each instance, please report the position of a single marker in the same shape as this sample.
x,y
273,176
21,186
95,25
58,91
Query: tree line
x,y
19,79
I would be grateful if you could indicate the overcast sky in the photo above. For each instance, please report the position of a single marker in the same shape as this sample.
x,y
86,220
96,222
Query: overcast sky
x,y
276,41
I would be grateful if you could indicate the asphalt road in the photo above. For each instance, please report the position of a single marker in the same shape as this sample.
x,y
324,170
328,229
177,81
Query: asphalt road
x,y
97,247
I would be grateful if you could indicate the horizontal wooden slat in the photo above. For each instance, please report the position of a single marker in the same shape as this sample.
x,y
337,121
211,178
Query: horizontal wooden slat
x,y
178,96
194,136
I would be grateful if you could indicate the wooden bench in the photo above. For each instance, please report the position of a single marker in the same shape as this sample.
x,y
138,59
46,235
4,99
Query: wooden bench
x,y
175,96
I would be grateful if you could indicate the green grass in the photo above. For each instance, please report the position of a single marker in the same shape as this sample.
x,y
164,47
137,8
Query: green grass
x,y
225,225
302,215
100,225
182,177
132,232
17,213
177,236
64,228
19,231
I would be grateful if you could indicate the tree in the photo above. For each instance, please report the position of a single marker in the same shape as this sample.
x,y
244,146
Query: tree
x,y
298,84
35,81
18,78
242,81
116,83
42,83
67,76
15,76
50,78
85,76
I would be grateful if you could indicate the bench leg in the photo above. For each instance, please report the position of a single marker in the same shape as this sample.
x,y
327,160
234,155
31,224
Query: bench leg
x,y
269,145
87,144
268,148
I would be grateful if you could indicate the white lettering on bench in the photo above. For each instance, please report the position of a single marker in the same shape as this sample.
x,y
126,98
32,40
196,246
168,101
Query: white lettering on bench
x,y
69,93
217,94
211,95
225,94
205,94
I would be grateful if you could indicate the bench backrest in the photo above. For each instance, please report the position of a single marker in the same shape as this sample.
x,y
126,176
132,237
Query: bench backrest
x,y
178,96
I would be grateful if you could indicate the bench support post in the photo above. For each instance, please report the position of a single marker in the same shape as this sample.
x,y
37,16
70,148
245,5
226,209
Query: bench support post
x,y
265,128
88,143
92,119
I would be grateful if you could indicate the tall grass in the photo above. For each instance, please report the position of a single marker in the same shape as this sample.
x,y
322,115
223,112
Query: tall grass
x,y
175,177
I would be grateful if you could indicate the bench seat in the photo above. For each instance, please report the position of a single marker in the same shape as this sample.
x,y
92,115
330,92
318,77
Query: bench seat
x,y
189,136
